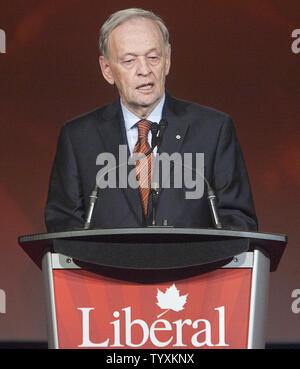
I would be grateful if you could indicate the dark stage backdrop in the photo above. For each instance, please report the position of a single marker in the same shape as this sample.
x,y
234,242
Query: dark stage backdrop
x,y
236,56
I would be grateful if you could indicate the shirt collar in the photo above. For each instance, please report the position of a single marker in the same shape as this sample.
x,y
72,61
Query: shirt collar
x,y
131,119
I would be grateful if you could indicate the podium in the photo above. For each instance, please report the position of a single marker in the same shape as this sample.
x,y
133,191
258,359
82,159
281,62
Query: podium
x,y
156,287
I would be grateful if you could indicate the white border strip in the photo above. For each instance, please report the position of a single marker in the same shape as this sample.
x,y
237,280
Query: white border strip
x,y
50,301
259,301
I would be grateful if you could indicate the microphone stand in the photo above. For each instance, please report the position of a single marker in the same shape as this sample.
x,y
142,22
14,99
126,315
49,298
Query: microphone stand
x,y
157,131
211,197
213,208
154,193
93,198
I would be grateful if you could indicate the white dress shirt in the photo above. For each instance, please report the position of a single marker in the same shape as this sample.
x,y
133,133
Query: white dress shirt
x,y
131,121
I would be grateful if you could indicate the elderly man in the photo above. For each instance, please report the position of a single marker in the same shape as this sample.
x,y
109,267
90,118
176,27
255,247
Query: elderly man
x,y
135,55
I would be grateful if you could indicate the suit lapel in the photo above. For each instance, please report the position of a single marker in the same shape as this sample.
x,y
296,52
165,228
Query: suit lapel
x,y
112,131
177,127
109,128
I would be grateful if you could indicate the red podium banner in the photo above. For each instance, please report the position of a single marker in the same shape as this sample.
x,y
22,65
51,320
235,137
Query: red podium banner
x,y
210,310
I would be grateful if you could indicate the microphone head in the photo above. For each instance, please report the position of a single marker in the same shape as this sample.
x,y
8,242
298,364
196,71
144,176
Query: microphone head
x,y
154,128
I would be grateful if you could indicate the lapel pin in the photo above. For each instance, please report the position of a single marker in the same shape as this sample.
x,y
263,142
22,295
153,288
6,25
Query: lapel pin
x,y
178,137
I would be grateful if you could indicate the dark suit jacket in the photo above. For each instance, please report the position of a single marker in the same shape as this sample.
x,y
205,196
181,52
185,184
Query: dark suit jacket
x,y
202,130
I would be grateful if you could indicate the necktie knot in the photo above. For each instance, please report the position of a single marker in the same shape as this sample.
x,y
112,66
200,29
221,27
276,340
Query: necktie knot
x,y
143,129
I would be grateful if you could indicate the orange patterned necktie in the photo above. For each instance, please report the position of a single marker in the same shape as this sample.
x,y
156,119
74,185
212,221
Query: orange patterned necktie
x,y
144,166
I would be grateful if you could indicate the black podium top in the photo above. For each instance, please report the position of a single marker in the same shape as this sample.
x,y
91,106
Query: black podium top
x,y
153,247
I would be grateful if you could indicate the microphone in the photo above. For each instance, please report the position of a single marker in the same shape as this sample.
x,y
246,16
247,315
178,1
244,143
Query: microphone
x,y
211,197
154,130
157,140
93,198
213,206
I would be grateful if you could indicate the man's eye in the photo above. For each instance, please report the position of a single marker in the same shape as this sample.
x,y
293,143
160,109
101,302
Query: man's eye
x,y
153,59
128,61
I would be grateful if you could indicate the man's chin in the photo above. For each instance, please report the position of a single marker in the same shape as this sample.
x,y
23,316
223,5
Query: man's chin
x,y
146,102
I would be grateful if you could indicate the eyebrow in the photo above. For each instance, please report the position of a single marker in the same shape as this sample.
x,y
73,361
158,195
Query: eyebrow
x,y
134,54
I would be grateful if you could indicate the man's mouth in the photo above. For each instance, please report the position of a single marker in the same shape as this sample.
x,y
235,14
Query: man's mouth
x,y
145,87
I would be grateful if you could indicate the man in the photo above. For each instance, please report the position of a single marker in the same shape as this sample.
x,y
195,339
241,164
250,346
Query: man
x,y
135,55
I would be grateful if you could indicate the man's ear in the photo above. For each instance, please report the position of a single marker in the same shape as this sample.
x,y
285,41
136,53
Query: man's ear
x,y
168,59
105,69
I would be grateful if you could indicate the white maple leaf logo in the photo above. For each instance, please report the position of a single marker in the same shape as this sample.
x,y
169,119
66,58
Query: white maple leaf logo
x,y
170,299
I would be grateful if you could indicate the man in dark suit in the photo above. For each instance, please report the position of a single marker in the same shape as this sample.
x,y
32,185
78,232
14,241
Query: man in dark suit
x,y
136,57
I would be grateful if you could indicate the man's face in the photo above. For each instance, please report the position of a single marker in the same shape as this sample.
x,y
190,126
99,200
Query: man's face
x,y
138,61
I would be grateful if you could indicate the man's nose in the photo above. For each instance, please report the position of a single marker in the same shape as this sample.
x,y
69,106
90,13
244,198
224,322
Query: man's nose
x,y
143,67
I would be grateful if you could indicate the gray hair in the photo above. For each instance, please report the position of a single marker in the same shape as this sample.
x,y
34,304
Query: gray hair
x,y
122,16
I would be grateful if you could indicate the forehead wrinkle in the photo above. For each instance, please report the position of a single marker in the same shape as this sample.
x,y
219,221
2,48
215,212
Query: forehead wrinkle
x,y
147,52
129,35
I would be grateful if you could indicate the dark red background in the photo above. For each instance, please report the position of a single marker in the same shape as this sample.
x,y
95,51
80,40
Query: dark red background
x,y
232,55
